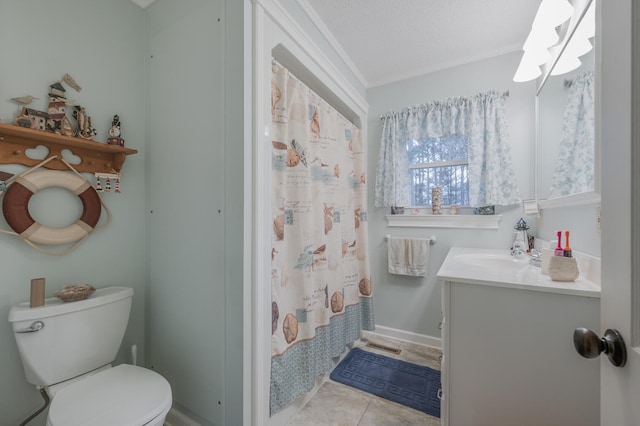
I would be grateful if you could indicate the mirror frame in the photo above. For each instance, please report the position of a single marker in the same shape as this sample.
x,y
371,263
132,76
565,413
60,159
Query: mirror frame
x,y
584,198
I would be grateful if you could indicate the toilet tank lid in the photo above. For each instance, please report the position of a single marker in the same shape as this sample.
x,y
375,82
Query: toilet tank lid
x,y
54,306
122,395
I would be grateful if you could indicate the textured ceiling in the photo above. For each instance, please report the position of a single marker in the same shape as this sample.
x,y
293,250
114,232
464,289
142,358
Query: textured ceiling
x,y
388,40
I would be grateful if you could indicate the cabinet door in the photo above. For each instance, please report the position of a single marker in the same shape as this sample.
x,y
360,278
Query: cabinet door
x,y
510,358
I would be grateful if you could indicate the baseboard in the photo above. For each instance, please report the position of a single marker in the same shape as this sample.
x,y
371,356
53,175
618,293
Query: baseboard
x,y
408,336
177,418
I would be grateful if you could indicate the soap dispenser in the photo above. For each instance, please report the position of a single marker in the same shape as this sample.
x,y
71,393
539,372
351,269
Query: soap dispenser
x,y
520,241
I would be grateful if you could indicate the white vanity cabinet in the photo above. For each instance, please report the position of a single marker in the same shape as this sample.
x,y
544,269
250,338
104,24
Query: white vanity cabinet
x,y
508,355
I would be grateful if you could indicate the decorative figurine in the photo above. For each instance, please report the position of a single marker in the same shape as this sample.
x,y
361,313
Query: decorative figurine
x,y
24,100
115,132
32,119
104,182
57,104
436,200
85,130
71,82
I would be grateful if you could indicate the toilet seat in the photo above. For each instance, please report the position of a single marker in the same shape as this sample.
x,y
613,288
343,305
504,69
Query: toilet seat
x,y
125,395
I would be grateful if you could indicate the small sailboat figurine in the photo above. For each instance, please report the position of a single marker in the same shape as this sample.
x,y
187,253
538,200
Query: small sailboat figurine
x,y
85,130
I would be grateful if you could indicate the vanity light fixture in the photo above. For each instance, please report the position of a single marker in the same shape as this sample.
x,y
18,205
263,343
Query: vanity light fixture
x,y
579,43
543,35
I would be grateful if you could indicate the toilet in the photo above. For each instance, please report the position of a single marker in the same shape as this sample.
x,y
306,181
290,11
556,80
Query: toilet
x,y
67,349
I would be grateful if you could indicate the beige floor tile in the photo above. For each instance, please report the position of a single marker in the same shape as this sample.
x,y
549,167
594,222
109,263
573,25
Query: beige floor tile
x,y
334,404
386,413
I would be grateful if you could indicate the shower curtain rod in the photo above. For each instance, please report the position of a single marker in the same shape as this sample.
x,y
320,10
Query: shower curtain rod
x,y
276,63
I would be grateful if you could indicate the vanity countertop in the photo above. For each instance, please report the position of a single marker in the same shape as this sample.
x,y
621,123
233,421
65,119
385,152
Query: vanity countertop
x,y
484,267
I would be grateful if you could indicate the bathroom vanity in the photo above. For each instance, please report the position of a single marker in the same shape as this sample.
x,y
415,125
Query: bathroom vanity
x,y
508,355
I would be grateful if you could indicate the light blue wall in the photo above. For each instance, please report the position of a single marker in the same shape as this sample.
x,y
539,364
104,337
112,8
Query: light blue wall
x,y
194,203
101,44
412,304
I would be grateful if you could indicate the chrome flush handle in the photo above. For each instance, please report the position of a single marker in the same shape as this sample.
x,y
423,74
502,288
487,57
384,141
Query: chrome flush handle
x,y
36,326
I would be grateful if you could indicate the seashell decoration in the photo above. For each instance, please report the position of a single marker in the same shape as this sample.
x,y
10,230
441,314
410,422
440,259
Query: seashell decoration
x,y
74,292
278,227
290,328
337,302
365,286
328,218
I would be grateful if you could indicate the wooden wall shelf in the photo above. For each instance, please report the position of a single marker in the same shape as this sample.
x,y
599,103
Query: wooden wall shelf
x,y
95,156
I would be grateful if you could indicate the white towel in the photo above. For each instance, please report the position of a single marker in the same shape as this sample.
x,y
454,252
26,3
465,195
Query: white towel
x,y
408,256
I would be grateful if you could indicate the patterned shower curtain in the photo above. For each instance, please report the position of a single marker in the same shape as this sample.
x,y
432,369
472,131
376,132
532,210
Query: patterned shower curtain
x,y
320,280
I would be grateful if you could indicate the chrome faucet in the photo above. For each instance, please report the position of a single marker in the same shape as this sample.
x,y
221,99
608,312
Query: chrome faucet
x,y
535,258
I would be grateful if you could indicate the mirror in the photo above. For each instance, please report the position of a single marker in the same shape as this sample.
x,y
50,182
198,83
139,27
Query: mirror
x,y
566,142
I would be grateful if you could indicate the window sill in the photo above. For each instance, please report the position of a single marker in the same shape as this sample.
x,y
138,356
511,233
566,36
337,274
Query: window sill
x,y
461,221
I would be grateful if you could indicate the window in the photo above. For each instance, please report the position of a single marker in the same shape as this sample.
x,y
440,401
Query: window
x,y
439,162
460,144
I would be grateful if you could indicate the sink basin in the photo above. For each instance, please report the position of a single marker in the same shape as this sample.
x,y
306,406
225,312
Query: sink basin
x,y
493,261
496,267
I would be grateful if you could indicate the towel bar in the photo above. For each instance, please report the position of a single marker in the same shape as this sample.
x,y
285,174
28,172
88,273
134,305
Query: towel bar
x,y
432,239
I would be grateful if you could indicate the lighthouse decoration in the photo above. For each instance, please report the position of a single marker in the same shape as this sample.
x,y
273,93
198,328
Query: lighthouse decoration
x,y
104,182
56,110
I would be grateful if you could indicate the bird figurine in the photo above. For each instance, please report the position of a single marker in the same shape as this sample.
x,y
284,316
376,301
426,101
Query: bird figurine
x,y
24,100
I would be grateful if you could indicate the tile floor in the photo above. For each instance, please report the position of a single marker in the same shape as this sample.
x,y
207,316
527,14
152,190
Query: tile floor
x,y
336,404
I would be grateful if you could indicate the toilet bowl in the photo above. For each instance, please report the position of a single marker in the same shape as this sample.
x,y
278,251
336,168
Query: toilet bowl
x,y
122,395
68,349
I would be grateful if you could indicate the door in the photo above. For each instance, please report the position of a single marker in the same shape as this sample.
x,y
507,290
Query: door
x,y
620,149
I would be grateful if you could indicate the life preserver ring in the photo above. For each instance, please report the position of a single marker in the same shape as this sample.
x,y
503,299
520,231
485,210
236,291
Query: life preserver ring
x,y
15,207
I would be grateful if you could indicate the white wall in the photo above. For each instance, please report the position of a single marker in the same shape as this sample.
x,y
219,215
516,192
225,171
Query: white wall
x,y
101,44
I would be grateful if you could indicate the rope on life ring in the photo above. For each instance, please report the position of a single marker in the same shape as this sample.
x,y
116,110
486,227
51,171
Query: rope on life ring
x,y
15,207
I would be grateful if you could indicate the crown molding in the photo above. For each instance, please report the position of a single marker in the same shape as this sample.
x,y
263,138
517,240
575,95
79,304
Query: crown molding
x,y
443,66
142,3
328,35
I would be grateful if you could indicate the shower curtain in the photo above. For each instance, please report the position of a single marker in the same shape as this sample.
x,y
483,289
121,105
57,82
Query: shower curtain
x,y
320,280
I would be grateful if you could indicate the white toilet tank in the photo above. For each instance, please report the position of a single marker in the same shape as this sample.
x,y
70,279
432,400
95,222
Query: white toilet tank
x,y
75,337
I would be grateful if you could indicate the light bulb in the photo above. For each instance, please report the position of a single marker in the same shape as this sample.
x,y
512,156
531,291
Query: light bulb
x,y
527,70
552,13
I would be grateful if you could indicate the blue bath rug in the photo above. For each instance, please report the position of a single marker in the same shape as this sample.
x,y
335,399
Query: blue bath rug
x,y
399,381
